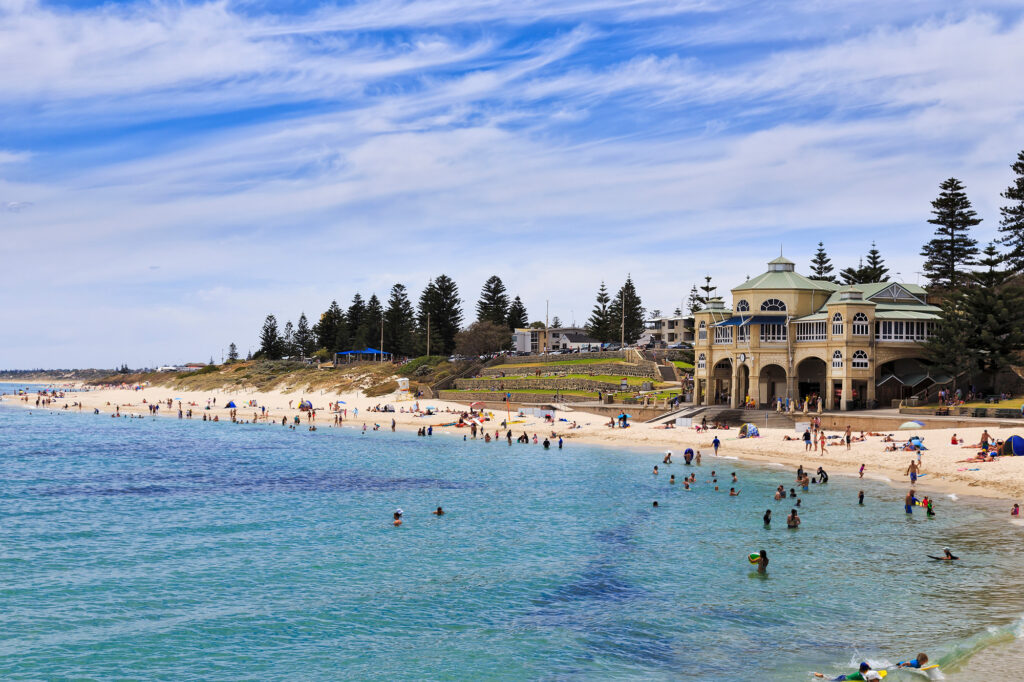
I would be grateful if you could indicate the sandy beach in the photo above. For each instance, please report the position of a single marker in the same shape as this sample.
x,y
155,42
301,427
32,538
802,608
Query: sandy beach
x,y
942,464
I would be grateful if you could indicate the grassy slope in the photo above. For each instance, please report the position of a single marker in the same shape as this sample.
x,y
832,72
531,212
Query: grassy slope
x,y
372,378
608,378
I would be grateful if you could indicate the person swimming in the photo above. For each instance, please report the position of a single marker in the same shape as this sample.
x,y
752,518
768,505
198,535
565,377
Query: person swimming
x,y
733,492
767,518
793,520
655,503
946,556
672,479
919,662
860,497
655,469
398,518
863,673
762,562
438,512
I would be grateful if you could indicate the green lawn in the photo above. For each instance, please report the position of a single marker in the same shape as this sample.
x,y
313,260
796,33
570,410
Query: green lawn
x,y
577,361
514,391
1013,404
682,365
607,378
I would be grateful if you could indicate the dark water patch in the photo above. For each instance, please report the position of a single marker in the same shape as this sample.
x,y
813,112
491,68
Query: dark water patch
x,y
296,483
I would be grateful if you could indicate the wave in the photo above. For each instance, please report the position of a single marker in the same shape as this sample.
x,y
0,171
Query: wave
x,y
956,657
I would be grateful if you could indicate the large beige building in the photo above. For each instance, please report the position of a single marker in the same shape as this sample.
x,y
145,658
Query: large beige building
x,y
790,337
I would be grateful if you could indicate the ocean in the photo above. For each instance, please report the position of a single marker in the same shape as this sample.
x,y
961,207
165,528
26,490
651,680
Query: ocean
x,y
174,549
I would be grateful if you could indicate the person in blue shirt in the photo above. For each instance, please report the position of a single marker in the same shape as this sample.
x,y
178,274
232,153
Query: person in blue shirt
x,y
919,662
715,444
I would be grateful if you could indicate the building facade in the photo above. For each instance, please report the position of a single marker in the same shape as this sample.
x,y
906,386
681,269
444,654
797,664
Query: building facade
x,y
671,331
535,341
792,338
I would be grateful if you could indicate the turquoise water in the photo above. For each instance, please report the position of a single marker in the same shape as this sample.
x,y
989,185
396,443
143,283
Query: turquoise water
x,y
165,549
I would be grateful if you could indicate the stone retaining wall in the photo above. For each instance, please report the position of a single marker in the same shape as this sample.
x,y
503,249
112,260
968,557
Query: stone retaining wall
x,y
486,396
602,355
647,370
560,383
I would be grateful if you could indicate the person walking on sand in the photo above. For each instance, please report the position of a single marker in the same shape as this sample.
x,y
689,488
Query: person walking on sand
x,y
912,471
822,439
807,439
862,470
716,444
848,436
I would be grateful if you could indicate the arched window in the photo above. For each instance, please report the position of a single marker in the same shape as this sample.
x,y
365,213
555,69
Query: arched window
x,y
837,360
860,360
742,306
702,361
702,331
837,324
773,305
860,325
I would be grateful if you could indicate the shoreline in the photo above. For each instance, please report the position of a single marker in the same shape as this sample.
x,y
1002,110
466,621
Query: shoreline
x,y
943,474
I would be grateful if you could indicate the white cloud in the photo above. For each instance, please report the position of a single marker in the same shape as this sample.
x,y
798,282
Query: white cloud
x,y
467,152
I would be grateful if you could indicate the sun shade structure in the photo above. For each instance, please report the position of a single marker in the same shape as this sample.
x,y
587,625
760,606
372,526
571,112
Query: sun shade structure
x,y
911,425
1014,445
305,405
748,430
232,404
364,355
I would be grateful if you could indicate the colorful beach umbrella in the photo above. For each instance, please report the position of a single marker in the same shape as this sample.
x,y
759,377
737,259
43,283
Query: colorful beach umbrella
x,y
912,424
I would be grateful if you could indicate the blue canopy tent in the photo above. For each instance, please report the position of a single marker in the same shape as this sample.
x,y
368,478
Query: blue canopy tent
x,y
1014,445
364,355
232,404
305,405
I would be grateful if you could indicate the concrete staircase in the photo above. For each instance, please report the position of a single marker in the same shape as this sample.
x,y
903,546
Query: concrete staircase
x,y
668,373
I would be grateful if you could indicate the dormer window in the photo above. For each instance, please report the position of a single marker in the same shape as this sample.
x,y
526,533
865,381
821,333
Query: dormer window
x,y
773,305
742,306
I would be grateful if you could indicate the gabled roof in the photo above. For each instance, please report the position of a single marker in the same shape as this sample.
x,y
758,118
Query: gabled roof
x,y
785,280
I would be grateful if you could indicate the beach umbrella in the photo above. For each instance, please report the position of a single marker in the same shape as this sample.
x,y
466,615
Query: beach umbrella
x,y
911,425
478,403
625,416
341,402
1014,445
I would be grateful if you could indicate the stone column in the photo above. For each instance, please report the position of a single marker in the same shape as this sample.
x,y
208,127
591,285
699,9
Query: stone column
x,y
846,394
871,389
734,387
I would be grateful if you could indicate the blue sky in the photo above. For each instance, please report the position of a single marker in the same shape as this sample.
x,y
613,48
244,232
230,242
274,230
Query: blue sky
x,y
171,172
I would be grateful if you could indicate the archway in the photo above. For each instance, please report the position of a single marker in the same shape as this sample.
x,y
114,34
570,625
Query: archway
x,y
721,382
810,377
771,384
743,389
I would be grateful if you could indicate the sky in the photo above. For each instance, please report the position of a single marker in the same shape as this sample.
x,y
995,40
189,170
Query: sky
x,y
172,172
